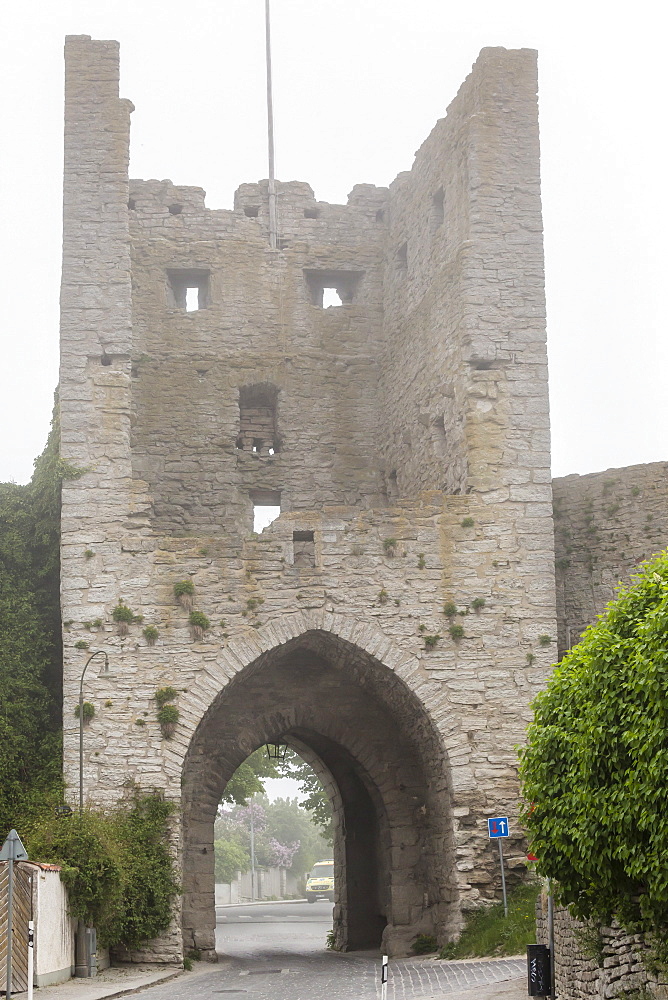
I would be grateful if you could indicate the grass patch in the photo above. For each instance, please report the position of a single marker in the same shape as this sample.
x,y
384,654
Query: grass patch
x,y
488,933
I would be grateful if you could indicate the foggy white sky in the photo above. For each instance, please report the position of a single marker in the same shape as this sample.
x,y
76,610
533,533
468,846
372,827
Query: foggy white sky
x,y
358,86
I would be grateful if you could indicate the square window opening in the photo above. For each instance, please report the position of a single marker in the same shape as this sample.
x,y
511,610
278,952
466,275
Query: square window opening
x,y
332,288
303,546
258,410
251,211
380,215
311,213
188,289
331,298
266,508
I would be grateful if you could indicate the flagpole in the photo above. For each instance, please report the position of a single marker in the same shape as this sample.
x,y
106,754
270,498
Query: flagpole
x,y
273,240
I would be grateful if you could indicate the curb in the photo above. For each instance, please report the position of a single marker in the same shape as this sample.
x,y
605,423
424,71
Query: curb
x,y
144,986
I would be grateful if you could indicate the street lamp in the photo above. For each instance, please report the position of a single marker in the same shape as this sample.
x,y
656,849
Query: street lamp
x,y
103,672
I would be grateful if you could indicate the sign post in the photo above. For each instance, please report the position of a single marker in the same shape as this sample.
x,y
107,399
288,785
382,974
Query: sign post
x,y
12,850
498,829
383,979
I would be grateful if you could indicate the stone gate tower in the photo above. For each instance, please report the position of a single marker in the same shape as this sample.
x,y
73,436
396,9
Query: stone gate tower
x,y
393,623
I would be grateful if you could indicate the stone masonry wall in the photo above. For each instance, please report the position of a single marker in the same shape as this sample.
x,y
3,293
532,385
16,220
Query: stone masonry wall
x,y
409,454
605,524
597,962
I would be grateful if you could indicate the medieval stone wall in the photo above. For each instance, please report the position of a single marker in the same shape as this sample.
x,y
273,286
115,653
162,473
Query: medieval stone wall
x,y
605,524
598,962
404,434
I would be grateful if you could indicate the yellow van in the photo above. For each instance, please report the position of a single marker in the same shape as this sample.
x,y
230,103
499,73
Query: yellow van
x,y
320,882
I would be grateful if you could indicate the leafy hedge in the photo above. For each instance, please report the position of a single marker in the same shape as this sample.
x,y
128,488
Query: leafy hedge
x,y
117,867
595,771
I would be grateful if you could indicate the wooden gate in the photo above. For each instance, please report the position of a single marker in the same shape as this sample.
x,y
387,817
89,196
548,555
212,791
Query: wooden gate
x,y
22,909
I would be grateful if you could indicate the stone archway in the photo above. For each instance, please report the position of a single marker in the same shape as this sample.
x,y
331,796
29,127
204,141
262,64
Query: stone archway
x,y
366,733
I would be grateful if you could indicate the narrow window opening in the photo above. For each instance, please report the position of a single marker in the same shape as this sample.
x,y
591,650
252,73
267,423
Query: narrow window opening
x,y
105,360
258,431
380,215
188,289
402,258
331,298
282,243
311,213
392,488
266,508
437,209
251,211
175,209
332,288
303,544
132,204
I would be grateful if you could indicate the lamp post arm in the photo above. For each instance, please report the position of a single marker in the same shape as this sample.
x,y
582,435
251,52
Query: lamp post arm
x,y
98,652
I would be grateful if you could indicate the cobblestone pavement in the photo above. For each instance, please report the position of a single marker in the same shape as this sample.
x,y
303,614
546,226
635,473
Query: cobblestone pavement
x,y
341,977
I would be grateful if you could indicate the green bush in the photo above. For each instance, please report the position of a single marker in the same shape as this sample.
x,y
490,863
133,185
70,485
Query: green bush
x,y
117,867
449,609
456,631
184,587
488,933
595,770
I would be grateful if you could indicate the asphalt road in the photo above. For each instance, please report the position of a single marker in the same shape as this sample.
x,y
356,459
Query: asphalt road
x,y
273,929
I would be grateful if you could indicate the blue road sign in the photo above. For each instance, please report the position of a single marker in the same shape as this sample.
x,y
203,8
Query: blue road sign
x,y
498,827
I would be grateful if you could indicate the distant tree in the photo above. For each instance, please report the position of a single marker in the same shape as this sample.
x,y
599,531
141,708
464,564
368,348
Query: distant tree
x,y
595,770
315,799
247,779
230,859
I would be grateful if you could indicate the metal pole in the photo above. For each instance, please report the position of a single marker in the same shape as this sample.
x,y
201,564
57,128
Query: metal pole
x,y
550,936
10,921
252,847
273,237
31,955
503,878
81,964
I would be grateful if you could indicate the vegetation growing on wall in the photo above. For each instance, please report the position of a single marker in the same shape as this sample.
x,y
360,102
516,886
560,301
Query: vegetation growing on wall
x,y
595,770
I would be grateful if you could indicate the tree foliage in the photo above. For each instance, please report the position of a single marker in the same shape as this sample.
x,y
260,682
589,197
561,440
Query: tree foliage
x,y
30,645
315,800
595,771
285,836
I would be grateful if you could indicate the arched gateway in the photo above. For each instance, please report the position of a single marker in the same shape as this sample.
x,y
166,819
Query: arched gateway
x,y
394,622
365,731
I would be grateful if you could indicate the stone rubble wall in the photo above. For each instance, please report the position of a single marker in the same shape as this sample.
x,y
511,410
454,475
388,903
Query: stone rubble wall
x,y
605,524
597,962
